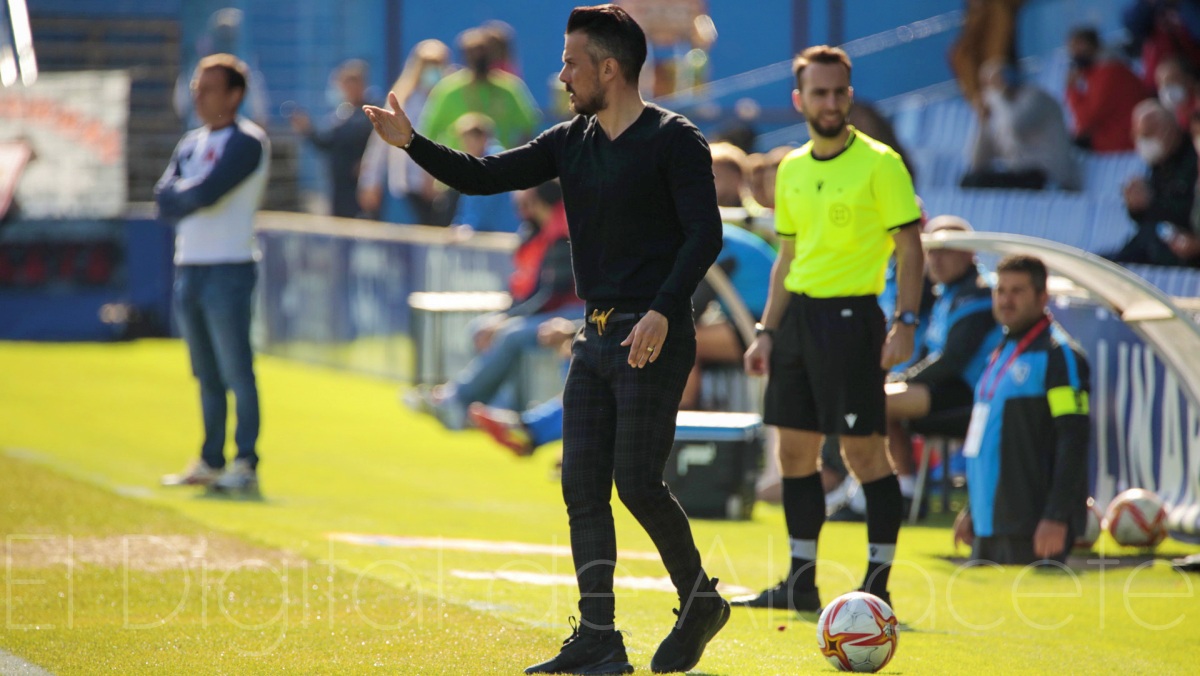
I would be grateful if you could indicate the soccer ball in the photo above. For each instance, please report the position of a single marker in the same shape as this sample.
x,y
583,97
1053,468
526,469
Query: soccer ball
x,y
857,632
1091,531
1136,518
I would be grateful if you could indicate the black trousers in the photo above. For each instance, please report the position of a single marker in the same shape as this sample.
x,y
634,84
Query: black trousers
x,y
618,427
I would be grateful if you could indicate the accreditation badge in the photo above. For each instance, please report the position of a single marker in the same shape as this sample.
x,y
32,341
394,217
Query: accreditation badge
x,y
974,440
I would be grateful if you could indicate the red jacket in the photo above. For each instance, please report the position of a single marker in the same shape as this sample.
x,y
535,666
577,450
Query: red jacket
x,y
1101,100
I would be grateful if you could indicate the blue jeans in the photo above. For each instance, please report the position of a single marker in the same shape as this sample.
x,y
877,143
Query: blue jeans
x,y
498,365
544,422
212,306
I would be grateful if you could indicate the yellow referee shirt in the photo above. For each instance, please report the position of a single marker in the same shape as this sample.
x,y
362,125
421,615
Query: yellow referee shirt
x,y
842,213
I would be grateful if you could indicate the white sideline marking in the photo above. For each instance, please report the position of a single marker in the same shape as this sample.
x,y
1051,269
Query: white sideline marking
x,y
484,546
662,584
11,665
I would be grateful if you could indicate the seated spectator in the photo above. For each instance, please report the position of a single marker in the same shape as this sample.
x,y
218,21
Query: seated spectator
x,y
761,184
1027,446
525,431
1161,203
484,213
1101,93
1176,90
1162,29
542,286
746,260
342,138
1022,140
951,354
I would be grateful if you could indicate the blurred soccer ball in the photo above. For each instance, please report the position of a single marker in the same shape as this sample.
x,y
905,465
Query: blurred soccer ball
x,y
1136,518
857,632
1091,532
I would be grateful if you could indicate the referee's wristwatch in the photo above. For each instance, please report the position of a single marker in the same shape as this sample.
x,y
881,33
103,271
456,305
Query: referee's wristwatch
x,y
907,318
760,330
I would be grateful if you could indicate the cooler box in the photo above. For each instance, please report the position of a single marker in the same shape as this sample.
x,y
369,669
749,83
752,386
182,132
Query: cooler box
x,y
715,463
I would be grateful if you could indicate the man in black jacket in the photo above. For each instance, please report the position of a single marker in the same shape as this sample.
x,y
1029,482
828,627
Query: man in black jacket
x,y
642,214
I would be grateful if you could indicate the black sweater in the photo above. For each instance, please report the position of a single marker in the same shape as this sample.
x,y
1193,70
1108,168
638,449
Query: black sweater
x,y
641,209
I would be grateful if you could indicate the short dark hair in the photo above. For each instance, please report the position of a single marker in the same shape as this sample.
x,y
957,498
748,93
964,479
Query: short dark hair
x,y
236,71
1030,265
1087,34
819,54
612,33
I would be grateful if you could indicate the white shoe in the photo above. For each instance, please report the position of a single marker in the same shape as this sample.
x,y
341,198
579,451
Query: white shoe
x,y
239,477
197,474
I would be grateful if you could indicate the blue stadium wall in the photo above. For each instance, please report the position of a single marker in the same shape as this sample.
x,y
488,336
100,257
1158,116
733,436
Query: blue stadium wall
x,y
297,42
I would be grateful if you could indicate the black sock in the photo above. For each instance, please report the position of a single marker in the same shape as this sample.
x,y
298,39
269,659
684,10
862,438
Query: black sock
x,y
804,512
884,506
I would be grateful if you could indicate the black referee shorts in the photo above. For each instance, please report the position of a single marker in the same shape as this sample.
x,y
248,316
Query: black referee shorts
x,y
825,373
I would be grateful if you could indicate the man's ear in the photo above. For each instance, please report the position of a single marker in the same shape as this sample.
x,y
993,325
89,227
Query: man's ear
x,y
609,69
796,100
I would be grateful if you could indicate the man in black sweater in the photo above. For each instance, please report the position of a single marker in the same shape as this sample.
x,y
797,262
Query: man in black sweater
x,y
642,213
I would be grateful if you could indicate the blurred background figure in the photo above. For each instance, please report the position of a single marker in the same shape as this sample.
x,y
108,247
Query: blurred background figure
x,y
342,138
391,187
1022,140
480,87
1101,93
484,213
542,286
1160,204
1176,89
988,33
1162,29
224,36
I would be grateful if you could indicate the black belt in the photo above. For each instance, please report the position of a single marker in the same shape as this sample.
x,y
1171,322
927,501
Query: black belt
x,y
601,319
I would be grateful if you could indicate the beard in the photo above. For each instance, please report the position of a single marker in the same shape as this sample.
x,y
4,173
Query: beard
x,y
591,105
831,130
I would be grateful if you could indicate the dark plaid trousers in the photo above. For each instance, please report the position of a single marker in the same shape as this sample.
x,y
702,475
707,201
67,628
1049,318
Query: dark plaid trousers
x,y
618,427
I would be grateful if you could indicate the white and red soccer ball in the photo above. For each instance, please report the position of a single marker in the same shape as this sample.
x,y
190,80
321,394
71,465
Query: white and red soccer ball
x,y
1091,531
1136,518
857,632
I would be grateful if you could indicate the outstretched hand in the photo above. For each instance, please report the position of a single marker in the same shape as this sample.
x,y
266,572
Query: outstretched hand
x,y
393,126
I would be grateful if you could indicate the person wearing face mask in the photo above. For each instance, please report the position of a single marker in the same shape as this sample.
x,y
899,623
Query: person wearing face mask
x,y
391,187
1101,93
1176,89
1022,140
1161,203
1163,29
342,137
480,88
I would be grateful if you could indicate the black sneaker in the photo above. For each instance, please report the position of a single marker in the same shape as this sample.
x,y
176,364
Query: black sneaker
x,y
783,597
698,622
588,651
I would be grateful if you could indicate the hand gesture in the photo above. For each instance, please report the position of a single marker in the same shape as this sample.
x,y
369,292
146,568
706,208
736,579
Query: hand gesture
x,y
645,341
393,126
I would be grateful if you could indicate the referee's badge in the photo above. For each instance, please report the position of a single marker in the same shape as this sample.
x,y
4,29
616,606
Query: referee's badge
x,y
839,214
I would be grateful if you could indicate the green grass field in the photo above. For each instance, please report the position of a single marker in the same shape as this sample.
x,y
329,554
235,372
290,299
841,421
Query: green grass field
x,y
107,572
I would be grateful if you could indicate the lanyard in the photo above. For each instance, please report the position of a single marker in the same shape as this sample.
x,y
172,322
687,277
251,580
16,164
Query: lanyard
x,y
985,394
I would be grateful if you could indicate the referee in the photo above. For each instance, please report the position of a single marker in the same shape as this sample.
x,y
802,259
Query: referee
x,y
642,213
844,202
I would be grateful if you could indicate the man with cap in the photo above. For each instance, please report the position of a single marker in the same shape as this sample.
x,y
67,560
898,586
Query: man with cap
x,y
952,353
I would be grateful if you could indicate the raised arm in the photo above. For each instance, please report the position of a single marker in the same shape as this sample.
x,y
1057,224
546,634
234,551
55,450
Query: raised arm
x,y
522,167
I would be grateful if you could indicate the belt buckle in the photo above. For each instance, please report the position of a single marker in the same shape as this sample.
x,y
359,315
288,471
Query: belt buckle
x,y
600,319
